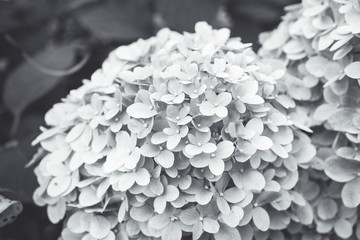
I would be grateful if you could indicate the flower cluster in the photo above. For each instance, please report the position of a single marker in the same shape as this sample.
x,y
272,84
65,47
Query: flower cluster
x,y
319,43
178,135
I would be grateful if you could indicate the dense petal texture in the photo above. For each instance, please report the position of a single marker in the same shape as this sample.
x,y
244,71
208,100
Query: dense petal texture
x,y
178,135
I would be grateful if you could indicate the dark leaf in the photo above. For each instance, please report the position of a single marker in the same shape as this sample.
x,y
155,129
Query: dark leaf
x,y
181,15
14,175
122,20
26,83
32,12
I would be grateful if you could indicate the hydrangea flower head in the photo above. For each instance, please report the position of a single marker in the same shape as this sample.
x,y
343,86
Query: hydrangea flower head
x,y
319,43
178,135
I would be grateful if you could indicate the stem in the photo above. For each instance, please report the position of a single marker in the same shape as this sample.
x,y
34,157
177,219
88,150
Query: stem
x,y
15,125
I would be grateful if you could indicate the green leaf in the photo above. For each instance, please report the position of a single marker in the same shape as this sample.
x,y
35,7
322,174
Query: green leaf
x,y
353,70
117,19
341,170
30,83
261,219
350,193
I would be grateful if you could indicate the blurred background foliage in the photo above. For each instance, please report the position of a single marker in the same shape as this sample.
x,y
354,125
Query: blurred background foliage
x,y
47,47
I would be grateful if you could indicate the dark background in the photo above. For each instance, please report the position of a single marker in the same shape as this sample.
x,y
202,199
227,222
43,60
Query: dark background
x,y
48,46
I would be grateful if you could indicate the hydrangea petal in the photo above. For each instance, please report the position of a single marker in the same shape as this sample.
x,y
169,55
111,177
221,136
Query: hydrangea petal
x,y
234,217
353,70
341,170
217,166
165,159
99,227
210,225
126,181
56,212
88,197
142,213
327,209
189,216
261,219
207,109
140,110
234,195
343,228
203,197
225,149
225,232
350,193
262,142
142,177
172,232
58,185
159,206
253,180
